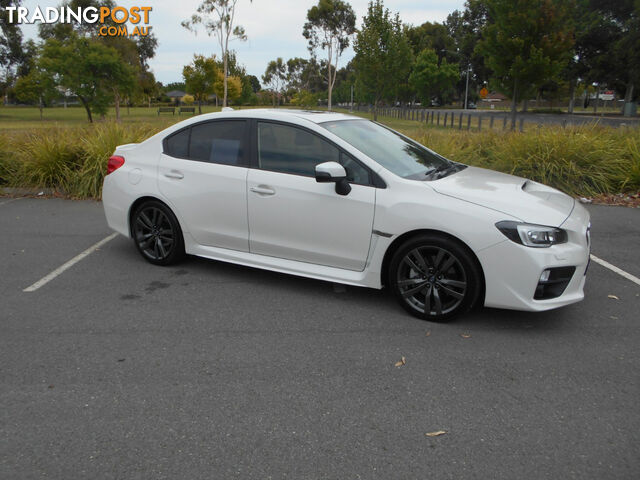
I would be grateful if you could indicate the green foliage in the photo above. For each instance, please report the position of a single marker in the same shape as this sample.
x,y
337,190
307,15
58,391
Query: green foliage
x,y
200,77
383,55
274,77
581,161
526,43
305,98
88,68
35,87
429,78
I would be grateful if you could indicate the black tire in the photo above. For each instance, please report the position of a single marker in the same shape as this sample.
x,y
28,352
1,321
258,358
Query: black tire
x,y
157,234
437,272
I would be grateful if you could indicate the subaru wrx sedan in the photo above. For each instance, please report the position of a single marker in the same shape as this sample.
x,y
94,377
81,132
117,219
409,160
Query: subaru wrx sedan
x,y
343,199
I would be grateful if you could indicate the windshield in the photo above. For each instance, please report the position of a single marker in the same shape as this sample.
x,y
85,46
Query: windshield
x,y
399,155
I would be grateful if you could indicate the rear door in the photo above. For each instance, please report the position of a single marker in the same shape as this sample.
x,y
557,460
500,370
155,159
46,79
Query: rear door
x,y
203,173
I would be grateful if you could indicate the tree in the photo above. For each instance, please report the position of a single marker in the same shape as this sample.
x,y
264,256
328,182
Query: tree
x,y
329,27
200,77
10,45
275,77
383,55
428,77
218,17
36,87
87,68
526,44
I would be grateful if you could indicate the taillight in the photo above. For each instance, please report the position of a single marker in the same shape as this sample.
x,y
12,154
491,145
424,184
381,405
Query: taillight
x,y
115,162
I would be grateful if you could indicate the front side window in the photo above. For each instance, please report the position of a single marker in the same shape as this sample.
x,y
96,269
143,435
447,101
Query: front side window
x,y
282,148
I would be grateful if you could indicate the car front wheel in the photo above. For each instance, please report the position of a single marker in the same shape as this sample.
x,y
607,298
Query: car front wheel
x,y
157,234
434,277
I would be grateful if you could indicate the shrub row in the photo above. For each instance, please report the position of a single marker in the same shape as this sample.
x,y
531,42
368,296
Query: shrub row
x,y
70,160
581,161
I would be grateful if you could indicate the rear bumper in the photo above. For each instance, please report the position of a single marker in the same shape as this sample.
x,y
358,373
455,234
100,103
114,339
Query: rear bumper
x,y
512,271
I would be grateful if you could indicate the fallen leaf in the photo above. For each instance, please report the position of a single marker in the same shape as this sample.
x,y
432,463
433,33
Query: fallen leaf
x,y
401,362
50,386
428,333
435,434
613,297
465,335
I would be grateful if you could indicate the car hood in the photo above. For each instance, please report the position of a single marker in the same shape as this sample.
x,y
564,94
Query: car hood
x,y
518,197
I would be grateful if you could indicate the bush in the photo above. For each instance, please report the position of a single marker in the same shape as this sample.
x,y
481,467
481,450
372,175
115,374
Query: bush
x,y
73,161
581,161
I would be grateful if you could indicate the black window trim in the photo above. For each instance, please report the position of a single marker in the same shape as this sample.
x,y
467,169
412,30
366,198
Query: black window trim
x,y
374,179
247,153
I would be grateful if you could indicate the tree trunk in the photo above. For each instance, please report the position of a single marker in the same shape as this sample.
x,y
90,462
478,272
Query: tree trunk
x,y
375,110
224,100
199,106
86,107
525,105
572,95
595,104
628,96
40,106
514,105
116,99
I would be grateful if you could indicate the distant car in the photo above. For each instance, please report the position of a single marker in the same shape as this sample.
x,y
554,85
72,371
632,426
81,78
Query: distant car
x,y
471,105
435,103
343,199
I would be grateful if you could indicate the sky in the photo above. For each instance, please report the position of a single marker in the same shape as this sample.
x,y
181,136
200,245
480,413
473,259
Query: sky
x,y
274,29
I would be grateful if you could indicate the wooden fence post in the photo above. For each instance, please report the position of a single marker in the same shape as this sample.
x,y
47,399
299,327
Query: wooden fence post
x,y
504,123
438,120
445,118
460,122
521,124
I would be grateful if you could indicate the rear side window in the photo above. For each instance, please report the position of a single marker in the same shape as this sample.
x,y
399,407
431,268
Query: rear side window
x,y
217,142
286,149
178,144
220,142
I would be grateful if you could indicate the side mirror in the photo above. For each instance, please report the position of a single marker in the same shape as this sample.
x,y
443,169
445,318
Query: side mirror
x,y
333,172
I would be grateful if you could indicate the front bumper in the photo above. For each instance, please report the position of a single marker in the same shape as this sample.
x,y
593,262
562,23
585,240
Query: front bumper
x,y
512,271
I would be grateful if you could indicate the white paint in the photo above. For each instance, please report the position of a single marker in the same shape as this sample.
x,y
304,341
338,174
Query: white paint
x,y
58,271
615,269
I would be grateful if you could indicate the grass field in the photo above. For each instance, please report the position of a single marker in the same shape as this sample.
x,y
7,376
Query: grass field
x,y
65,153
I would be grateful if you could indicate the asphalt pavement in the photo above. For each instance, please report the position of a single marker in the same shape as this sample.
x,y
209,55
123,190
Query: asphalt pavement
x,y
117,369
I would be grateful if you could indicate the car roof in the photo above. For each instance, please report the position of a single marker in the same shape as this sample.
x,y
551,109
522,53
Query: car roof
x,y
316,116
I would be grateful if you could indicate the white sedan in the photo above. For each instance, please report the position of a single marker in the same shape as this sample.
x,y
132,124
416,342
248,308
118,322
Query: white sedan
x,y
343,199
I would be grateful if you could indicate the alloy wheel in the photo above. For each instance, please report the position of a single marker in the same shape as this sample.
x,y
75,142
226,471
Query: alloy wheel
x,y
431,280
154,233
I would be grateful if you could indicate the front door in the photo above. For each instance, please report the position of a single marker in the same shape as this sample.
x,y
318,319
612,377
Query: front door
x,y
294,217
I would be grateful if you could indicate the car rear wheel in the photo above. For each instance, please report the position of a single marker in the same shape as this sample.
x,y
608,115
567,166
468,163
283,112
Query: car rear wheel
x,y
434,277
157,233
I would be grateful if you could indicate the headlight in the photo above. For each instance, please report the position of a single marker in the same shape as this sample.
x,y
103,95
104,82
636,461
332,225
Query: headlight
x,y
530,235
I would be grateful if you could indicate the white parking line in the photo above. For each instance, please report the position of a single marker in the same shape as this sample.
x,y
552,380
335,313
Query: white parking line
x,y
46,279
10,200
615,269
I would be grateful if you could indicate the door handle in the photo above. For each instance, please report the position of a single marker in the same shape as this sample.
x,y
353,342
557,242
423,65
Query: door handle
x,y
263,190
174,174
